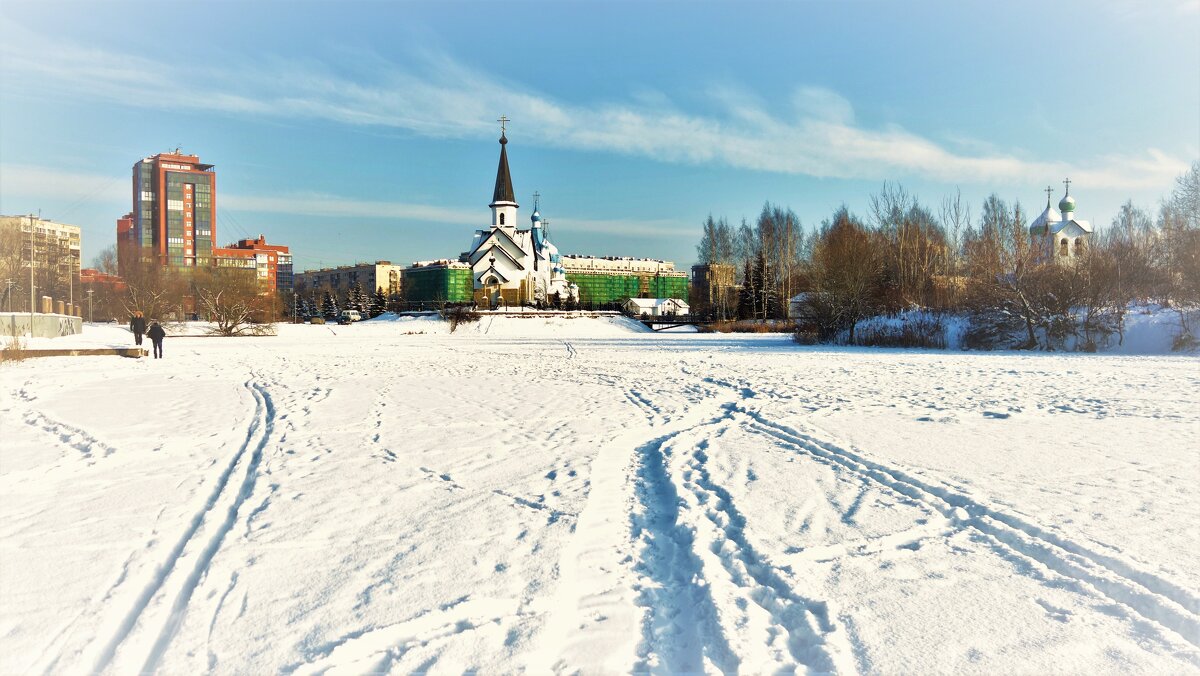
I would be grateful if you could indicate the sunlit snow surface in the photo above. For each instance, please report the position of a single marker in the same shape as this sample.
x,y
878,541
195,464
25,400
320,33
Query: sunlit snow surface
x,y
576,496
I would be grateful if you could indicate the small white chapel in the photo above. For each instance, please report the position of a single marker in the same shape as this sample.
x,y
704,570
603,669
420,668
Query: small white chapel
x,y
1056,234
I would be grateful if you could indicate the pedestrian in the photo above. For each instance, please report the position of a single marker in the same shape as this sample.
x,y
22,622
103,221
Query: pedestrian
x,y
157,334
137,324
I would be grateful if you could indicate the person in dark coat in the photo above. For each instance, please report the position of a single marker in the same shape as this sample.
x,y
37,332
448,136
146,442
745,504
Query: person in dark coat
x,y
137,324
157,334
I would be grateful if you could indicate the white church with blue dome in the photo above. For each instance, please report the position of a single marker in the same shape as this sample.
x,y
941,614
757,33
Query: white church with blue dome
x,y
511,266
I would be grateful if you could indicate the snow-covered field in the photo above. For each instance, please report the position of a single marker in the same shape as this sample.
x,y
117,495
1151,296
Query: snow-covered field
x,y
576,496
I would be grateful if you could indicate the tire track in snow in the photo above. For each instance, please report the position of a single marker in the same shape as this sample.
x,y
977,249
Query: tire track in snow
x,y
813,638
1142,593
256,439
681,628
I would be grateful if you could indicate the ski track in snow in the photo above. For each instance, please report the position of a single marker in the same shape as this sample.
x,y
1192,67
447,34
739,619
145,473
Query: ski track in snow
x,y
248,456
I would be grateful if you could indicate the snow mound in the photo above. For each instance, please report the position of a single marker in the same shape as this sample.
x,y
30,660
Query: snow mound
x,y
508,325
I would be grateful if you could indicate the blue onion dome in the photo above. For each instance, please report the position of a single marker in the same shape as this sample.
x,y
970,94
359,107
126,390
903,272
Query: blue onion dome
x,y
536,217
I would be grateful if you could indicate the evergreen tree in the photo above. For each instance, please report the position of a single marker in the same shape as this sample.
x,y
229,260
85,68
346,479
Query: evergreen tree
x,y
378,303
329,306
356,299
747,298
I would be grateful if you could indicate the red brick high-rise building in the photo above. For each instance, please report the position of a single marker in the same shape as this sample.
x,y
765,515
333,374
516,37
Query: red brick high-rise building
x,y
173,222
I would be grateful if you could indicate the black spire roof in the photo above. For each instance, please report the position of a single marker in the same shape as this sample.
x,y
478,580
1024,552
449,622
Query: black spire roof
x,y
504,189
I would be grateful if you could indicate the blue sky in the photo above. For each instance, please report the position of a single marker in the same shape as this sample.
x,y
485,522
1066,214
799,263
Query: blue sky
x,y
363,131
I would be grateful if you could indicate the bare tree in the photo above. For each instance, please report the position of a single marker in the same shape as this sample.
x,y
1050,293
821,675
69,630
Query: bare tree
x,y
956,218
234,301
847,265
105,262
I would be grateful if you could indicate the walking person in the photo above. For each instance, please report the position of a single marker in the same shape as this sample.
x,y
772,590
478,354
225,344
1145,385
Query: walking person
x,y
157,334
137,324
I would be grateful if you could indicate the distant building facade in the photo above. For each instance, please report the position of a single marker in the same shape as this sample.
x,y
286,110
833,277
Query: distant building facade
x,y
174,206
56,250
370,276
272,263
714,289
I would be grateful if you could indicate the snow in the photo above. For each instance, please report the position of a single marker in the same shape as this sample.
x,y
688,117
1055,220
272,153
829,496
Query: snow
x,y
577,494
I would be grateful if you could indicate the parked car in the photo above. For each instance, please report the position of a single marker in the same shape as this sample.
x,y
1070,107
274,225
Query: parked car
x,y
353,315
345,320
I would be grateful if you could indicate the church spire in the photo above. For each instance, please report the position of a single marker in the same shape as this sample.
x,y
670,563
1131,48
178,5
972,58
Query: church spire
x,y
504,189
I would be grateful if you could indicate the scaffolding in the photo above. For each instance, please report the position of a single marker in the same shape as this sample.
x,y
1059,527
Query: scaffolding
x,y
598,288
438,284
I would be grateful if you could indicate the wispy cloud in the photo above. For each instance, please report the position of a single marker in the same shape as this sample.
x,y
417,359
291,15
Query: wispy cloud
x,y
436,96
31,182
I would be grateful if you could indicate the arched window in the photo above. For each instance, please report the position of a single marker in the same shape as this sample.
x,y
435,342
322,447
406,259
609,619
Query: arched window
x,y
491,281
1064,247
502,218
1079,246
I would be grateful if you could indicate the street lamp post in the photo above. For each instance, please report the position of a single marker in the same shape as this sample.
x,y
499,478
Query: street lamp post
x,y
31,290
89,293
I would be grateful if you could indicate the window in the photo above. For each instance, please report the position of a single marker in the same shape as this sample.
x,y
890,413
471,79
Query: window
x,y
1063,247
1079,246
502,218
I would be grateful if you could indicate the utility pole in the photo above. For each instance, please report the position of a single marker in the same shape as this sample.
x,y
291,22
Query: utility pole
x,y
31,291
89,293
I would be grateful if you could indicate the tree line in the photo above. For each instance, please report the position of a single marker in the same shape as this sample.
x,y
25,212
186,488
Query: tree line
x,y
905,254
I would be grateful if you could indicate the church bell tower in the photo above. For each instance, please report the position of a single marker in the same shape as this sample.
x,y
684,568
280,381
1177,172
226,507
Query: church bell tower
x,y
504,203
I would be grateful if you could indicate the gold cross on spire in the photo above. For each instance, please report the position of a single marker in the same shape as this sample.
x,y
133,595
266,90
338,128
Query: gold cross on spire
x,y
1067,182
1048,191
503,121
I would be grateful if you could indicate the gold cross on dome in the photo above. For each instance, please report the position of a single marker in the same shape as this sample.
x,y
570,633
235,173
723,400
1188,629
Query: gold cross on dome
x,y
503,121
1067,182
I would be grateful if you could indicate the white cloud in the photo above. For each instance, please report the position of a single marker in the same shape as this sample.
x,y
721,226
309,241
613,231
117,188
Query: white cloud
x,y
32,182
439,97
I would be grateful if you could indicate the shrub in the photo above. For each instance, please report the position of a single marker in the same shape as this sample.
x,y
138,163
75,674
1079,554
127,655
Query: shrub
x,y
919,330
14,347
459,314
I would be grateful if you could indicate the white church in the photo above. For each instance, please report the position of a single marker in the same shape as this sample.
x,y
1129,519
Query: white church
x,y
511,266
1056,234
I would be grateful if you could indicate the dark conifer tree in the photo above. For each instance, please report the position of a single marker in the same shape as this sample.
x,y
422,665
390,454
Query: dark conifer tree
x,y
356,299
747,299
329,306
378,303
